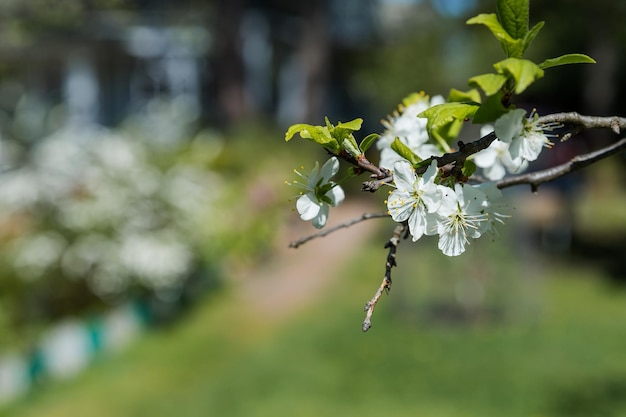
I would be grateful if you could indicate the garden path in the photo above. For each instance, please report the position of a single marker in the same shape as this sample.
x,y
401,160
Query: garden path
x,y
293,278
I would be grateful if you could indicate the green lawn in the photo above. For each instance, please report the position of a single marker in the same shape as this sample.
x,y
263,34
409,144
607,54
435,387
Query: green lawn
x,y
542,339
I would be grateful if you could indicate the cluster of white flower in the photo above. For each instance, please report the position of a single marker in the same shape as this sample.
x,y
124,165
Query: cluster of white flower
x,y
519,140
433,209
410,129
430,204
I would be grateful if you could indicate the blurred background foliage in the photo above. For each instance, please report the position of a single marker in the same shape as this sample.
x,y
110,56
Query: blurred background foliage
x,y
142,159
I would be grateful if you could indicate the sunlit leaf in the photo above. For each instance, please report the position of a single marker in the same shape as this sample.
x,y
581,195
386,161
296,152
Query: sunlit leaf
x,y
567,59
352,125
469,168
368,141
513,15
530,36
349,145
405,152
489,83
472,95
491,21
523,71
445,120
318,134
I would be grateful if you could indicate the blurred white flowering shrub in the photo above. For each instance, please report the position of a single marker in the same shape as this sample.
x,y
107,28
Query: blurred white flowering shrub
x,y
109,210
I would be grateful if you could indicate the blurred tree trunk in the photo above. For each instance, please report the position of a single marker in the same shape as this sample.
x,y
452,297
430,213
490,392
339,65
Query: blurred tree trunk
x,y
228,62
313,56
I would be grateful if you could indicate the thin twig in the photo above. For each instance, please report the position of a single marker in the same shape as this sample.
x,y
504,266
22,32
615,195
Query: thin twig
x,y
364,216
385,285
534,179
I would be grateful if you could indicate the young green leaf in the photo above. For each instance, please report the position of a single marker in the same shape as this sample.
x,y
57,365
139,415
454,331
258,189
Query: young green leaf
x,y
368,141
512,47
405,152
472,95
317,134
489,83
349,145
351,125
469,168
491,21
343,132
445,120
490,110
513,15
531,35
523,71
445,113
567,59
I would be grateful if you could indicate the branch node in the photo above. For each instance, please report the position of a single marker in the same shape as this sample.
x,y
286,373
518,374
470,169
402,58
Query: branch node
x,y
615,125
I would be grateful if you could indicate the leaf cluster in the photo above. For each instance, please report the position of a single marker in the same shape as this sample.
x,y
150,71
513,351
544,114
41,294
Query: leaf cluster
x,y
490,94
337,140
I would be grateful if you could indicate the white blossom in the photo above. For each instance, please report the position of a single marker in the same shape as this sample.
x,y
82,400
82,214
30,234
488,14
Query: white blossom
x,y
409,128
496,160
458,218
414,197
526,136
319,193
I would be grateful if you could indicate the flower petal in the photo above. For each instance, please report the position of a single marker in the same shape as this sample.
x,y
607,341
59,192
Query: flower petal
x,y
510,125
314,176
404,176
320,220
307,206
336,195
330,168
400,205
495,172
417,223
453,242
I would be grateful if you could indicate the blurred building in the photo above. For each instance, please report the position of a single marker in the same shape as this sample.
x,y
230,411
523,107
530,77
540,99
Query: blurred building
x,y
225,60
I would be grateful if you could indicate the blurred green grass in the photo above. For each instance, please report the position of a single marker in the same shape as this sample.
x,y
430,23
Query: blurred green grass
x,y
547,338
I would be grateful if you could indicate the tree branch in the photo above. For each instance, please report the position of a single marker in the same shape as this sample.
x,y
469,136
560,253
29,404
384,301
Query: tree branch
x,y
575,123
365,216
385,285
615,123
534,179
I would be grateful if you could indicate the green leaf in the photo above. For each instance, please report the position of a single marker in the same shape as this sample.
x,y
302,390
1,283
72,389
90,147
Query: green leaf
x,y
492,23
293,129
531,35
512,47
445,113
445,120
472,95
405,152
368,141
353,125
489,83
567,59
343,132
513,15
349,145
523,71
317,134
490,110
469,168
